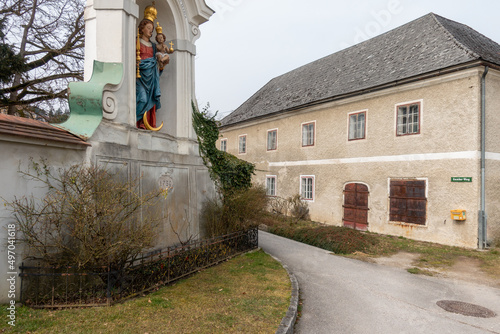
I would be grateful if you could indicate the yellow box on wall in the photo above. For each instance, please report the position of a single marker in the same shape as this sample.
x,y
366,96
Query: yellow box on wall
x,y
458,214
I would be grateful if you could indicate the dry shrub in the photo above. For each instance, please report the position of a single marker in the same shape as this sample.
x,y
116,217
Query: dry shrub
x,y
88,218
293,207
278,205
299,209
237,211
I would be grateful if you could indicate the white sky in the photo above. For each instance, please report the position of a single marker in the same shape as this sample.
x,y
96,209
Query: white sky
x,y
246,43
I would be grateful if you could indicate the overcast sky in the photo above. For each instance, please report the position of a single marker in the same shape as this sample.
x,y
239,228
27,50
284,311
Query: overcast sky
x,y
246,43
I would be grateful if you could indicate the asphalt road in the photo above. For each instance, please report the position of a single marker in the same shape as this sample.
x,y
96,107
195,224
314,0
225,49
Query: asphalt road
x,y
342,295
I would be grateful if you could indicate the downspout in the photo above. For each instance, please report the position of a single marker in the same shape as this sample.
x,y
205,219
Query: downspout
x,y
482,232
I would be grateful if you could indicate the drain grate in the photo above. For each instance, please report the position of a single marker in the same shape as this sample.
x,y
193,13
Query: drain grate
x,y
465,309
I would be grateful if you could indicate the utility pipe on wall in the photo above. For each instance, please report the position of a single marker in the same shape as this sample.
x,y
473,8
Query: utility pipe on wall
x,y
482,228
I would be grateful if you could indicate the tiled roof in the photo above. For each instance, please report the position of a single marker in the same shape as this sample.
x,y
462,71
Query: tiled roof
x,y
30,128
425,45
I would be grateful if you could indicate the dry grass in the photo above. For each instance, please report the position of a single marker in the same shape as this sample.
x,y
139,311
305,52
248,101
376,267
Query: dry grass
x,y
433,255
247,294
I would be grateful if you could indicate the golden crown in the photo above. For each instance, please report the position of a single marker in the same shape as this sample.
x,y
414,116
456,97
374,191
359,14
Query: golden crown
x,y
159,29
150,13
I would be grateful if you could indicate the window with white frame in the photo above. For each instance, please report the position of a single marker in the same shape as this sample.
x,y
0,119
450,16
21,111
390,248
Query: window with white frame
x,y
308,134
271,185
242,144
307,187
272,140
408,119
357,125
223,145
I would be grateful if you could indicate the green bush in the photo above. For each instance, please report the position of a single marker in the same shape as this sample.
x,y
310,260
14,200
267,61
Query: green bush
x,y
227,171
238,203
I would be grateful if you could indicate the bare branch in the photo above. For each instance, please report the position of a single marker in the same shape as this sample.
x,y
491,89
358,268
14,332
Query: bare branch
x,y
49,36
88,217
46,97
13,8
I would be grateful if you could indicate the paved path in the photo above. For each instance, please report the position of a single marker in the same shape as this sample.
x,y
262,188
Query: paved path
x,y
342,295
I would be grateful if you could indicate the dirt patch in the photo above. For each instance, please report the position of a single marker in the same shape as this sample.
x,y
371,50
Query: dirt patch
x,y
465,268
401,260
468,269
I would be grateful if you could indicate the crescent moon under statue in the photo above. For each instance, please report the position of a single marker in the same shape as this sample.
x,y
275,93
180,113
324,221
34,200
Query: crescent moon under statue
x,y
149,127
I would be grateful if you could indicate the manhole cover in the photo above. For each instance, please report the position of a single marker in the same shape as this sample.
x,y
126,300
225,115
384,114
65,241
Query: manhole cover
x,y
465,309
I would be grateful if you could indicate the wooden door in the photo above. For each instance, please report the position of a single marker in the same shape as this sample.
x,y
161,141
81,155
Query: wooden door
x,y
356,206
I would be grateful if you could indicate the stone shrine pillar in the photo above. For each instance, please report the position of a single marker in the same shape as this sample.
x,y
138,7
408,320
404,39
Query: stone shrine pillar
x,y
110,36
103,108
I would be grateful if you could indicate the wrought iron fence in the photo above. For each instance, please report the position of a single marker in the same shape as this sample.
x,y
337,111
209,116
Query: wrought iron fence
x,y
51,287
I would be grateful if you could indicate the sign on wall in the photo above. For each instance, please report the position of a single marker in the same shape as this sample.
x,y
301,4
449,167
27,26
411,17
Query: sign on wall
x,y
461,179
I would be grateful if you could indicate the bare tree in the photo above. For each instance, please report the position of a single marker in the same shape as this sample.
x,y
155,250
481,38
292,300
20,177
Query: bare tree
x,y
49,36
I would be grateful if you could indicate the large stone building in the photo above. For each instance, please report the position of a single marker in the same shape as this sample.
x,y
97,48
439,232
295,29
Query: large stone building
x,y
389,135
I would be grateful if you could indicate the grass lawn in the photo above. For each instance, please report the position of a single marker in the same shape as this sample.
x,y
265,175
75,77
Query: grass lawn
x,y
247,294
365,245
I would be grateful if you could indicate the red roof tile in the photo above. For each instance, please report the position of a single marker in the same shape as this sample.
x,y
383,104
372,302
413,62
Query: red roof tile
x,y
30,128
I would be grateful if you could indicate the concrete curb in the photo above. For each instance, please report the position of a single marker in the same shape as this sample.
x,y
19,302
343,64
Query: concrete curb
x,y
288,321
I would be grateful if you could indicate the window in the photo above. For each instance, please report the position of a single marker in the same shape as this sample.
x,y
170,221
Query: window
x,y
408,201
242,146
308,134
408,122
357,125
307,187
223,145
272,140
271,185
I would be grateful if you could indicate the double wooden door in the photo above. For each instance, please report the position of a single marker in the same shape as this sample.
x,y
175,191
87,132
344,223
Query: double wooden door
x,y
356,206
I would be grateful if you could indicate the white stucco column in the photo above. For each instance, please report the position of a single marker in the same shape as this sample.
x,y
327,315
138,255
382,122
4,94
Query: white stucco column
x,y
110,31
181,18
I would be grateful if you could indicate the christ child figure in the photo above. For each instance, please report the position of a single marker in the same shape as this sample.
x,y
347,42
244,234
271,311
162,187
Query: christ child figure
x,y
162,51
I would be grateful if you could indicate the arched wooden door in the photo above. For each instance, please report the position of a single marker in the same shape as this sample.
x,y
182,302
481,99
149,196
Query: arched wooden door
x,y
356,206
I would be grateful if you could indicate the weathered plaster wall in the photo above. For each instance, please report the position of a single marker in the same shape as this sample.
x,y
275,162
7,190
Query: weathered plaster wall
x,y
493,155
15,159
153,157
446,147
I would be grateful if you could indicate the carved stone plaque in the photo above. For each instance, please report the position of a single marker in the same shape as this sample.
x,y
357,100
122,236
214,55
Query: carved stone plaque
x,y
166,182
